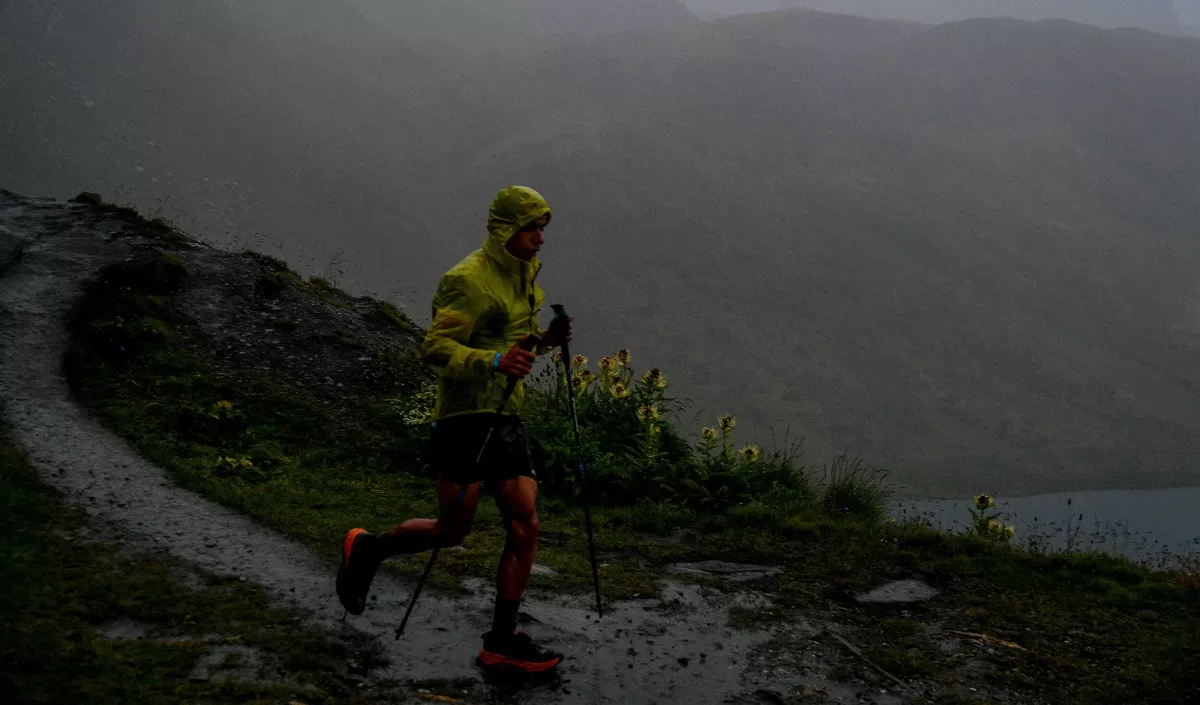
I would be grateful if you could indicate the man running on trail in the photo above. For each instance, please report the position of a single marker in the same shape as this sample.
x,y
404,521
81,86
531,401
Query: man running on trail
x,y
485,307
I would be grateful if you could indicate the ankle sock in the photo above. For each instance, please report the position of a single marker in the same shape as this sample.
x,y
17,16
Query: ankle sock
x,y
504,619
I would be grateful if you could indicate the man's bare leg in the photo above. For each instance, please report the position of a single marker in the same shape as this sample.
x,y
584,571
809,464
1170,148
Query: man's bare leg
x,y
362,552
449,529
502,646
517,499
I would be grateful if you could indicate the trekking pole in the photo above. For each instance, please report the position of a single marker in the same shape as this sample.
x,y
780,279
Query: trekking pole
x,y
561,324
527,344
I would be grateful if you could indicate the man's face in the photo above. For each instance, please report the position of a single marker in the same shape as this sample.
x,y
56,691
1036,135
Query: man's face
x,y
526,243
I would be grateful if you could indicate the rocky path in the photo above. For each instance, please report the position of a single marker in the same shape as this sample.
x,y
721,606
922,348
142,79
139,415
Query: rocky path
x,y
680,650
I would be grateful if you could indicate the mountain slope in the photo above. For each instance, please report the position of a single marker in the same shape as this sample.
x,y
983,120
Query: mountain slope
x,y
958,234
500,22
1155,15
964,251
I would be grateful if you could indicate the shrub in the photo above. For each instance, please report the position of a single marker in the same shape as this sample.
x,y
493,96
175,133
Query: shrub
x,y
855,489
634,451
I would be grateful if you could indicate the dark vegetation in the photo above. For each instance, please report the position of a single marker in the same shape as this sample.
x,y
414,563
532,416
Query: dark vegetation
x,y
89,620
1087,628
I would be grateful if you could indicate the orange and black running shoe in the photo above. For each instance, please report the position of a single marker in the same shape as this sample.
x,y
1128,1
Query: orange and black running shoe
x,y
356,572
516,650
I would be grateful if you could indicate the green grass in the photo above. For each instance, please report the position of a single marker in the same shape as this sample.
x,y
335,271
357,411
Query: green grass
x,y
59,589
1095,629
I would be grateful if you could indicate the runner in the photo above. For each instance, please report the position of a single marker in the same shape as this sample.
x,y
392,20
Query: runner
x,y
484,309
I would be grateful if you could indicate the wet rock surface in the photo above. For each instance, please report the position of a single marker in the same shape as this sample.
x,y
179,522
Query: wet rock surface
x,y
899,592
245,312
227,662
735,572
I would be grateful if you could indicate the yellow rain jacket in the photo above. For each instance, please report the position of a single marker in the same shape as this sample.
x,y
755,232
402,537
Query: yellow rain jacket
x,y
483,306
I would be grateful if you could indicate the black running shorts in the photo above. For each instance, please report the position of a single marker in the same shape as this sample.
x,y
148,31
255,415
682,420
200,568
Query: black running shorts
x,y
455,444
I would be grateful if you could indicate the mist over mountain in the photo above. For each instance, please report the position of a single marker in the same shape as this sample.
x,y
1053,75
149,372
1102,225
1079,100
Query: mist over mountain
x,y
966,252
501,22
1155,15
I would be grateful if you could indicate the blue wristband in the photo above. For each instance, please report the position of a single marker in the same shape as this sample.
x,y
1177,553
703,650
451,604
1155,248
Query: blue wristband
x,y
496,362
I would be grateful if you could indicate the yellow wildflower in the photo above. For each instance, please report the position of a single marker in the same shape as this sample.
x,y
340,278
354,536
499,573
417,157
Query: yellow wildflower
x,y
654,379
226,405
749,453
984,501
648,412
556,357
624,356
607,363
726,423
709,433
619,390
579,361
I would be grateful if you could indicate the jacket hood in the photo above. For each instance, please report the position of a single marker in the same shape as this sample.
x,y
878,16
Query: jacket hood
x,y
512,209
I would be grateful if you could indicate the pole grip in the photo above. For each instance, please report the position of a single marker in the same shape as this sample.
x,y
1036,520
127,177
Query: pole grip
x,y
560,325
529,342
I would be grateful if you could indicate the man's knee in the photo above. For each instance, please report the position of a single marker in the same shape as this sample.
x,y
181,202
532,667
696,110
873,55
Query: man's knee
x,y
448,536
524,527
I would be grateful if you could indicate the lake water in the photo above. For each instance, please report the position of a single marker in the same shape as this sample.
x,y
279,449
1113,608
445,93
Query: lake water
x,y
1143,525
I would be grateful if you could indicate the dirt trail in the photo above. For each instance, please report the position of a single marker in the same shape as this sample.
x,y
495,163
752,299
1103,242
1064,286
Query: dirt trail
x,y
681,651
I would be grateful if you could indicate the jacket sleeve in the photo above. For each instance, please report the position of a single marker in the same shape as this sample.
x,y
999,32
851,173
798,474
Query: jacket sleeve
x,y
457,308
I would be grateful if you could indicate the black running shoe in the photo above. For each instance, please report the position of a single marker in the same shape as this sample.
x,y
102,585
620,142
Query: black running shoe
x,y
356,573
517,650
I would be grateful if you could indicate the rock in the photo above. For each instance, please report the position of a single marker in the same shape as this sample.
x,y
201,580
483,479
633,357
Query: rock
x,y
737,572
124,630
899,592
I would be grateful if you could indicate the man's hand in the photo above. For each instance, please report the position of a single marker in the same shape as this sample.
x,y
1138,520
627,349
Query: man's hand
x,y
551,339
518,361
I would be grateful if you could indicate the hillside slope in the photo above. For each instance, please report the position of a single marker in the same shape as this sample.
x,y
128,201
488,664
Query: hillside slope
x,y
957,250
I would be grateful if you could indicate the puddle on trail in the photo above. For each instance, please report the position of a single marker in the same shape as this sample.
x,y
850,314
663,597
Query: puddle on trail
x,y
679,648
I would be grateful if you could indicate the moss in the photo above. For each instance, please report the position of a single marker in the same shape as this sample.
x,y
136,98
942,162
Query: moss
x,y
157,228
273,264
389,312
271,285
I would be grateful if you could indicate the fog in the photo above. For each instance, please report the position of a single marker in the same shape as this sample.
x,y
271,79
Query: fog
x,y
1179,16
963,251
